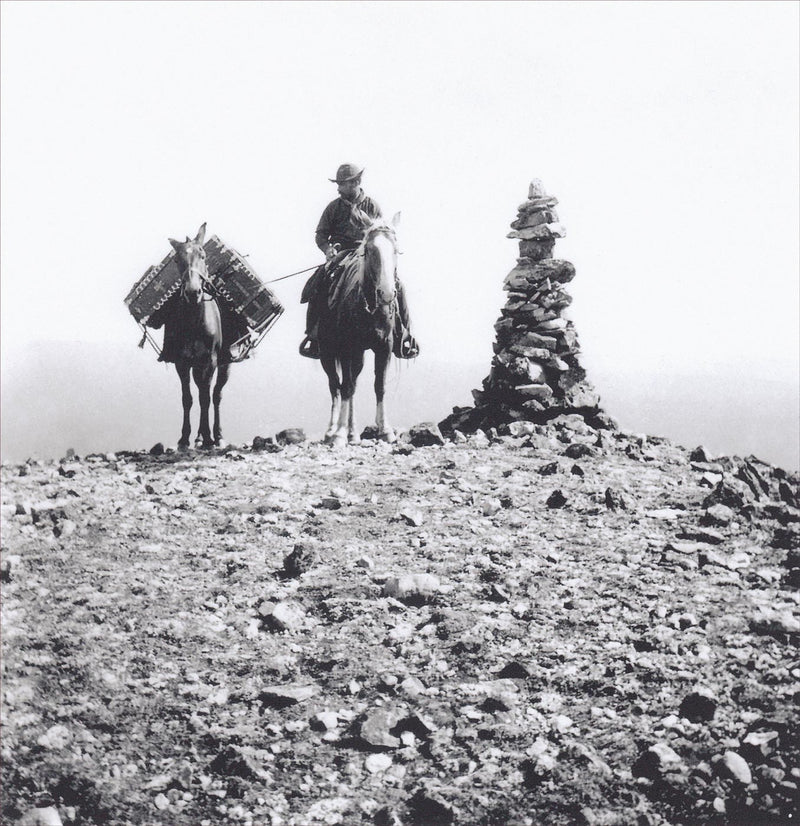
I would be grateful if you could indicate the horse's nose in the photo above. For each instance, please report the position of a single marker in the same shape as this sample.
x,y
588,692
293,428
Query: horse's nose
x,y
192,295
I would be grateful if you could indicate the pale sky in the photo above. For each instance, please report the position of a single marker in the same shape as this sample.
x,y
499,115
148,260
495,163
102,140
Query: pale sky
x,y
668,131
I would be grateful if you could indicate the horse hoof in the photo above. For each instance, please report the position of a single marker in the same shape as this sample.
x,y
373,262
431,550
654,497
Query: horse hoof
x,y
354,440
183,446
221,444
389,436
337,442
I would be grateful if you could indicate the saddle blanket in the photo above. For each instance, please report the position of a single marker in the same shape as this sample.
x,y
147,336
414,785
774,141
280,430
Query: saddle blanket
x,y
232,277
326,276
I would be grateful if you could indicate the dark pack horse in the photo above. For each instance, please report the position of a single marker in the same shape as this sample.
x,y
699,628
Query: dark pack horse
x,y
193,328
360,315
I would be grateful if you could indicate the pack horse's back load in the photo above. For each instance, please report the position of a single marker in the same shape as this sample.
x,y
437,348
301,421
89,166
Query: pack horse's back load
x,y
250,306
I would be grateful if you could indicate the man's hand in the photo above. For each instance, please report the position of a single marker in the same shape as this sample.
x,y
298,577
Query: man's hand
x,y
331,252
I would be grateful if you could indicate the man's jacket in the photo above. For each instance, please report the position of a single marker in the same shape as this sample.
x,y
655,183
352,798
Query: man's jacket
x,y
342,222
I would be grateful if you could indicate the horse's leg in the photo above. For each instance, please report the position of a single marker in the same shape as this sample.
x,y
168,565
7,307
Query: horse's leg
x,y
202,378
186,394
334,385
382,358
223,372
352,364
338,437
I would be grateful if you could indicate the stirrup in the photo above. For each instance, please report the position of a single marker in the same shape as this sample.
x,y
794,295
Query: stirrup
x,y
406,347
309,348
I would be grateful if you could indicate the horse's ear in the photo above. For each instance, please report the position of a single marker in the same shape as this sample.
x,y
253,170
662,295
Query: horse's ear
x,y
175,244
396,220
201,234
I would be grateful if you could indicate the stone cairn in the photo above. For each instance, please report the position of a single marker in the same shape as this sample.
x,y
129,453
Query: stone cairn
x,y
535,374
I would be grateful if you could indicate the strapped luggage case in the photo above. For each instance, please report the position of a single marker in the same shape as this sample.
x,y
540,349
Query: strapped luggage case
x,y
235,283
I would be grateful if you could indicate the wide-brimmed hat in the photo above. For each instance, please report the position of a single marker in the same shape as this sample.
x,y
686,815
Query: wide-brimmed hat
x,y
346,172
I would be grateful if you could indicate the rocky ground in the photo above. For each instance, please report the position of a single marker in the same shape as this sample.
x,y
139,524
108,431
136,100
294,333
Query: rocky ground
x,y
552,625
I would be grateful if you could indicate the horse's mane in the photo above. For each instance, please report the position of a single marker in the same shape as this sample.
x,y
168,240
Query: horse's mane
x,y
372,225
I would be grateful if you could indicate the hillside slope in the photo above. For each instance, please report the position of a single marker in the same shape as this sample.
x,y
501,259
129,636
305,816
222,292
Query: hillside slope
x,y
555,627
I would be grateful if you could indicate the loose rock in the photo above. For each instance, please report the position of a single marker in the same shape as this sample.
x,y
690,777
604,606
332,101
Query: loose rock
x,y
699,706
412,586
302,558
375,729
734,767
281,616
286,695
291,436
425,435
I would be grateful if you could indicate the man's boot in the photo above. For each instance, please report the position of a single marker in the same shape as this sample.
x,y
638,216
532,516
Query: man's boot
x,y
405,346
309,346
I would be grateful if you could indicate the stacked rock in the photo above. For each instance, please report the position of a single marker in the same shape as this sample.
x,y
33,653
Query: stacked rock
x,y
535,374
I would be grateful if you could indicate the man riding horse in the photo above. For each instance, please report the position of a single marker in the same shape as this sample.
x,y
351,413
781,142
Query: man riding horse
x,y
340,231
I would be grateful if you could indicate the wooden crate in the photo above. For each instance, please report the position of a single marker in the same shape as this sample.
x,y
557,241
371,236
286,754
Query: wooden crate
x,y
153,289
239,286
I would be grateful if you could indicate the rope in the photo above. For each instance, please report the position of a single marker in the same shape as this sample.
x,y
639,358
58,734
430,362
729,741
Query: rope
x,y
299,272
272,281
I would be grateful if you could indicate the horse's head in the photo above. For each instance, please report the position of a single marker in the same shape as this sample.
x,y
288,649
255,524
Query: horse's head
x,y
191,259
379,249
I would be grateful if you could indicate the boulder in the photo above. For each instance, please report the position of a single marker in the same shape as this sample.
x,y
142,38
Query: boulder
x,y
41,816
426,434
700,454
375,729
655,761
291,436
431,806
534,391
283,696
281,616
615,501
303,557
233,762
717,515
699,706
266,443
412,587
578,450
734,767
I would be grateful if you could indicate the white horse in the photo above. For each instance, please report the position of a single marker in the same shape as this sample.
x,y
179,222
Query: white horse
x,y
360,315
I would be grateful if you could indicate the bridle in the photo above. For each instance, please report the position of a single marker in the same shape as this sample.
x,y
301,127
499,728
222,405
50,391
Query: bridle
x,y
361,253
200,271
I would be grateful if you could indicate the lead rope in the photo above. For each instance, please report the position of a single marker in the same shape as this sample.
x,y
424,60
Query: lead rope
x,y
299,272
273,280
